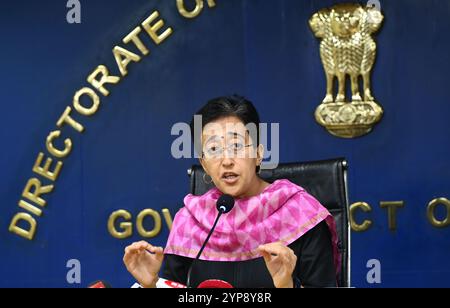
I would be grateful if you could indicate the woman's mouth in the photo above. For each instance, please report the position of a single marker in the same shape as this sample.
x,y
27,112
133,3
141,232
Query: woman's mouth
x,y
230,177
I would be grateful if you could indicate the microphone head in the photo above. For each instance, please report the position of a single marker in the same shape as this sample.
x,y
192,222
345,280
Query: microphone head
x,y
100,284
214,284
225,203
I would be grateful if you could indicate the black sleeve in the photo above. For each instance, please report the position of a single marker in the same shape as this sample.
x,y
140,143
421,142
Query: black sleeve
x,y
315,266
175,268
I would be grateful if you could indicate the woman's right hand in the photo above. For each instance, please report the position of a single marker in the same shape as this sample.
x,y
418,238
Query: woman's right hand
x,y
144,261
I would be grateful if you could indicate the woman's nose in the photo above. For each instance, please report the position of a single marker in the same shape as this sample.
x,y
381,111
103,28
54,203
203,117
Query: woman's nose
x,y
227,160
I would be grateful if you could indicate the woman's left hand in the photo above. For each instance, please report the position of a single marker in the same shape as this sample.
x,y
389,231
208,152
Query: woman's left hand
x,y
280,261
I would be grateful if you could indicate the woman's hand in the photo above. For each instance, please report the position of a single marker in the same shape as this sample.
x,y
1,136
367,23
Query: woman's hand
x,y
144,261
280,261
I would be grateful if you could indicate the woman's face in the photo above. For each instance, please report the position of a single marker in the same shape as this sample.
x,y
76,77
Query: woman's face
x,y
230,156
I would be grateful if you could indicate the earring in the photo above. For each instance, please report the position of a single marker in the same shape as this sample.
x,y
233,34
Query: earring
x,y
204,179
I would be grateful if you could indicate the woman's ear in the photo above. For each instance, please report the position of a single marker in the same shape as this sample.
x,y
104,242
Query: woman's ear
x,y
202,162
259,154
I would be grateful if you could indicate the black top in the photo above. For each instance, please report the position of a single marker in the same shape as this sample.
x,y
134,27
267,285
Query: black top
x,y
315,266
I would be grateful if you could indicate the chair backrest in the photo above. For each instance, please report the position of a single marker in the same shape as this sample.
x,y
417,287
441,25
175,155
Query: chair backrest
x,y
326,180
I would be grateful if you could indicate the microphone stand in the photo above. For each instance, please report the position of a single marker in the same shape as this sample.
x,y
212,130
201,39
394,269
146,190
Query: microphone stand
x,y
188,282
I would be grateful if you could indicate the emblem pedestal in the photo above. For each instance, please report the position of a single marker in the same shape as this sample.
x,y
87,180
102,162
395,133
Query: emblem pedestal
x,y
349,120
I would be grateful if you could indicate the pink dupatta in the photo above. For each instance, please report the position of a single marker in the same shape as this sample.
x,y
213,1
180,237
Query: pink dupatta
x,y
282,212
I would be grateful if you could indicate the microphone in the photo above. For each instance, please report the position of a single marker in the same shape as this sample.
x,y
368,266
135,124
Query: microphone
x,y
214,284
224,204
100,284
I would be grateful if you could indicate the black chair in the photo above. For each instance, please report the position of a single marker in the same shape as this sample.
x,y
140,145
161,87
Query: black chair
x,y
326,180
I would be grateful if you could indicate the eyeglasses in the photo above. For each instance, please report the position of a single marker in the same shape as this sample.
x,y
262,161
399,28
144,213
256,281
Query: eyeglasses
x,y
214,151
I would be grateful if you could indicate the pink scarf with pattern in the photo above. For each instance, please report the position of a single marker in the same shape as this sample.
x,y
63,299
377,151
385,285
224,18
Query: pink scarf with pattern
x,y
282,212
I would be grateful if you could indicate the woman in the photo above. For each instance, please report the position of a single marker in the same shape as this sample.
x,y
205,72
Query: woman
x,y
277,235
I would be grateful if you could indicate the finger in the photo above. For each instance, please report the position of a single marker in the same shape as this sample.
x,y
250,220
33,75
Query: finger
x,y
288,254
273,248
268,248
287,261
127,249
150,249
137,247
261,248
282,254
155,249
285,250
143,245
265,255
128,255
293,257
133,248
159,251
270,258
292,262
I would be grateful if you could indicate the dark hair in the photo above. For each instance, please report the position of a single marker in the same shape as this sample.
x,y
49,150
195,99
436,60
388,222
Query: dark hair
x,y
226,106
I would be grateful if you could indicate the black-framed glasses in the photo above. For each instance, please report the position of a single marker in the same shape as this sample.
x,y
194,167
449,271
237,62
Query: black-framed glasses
x,y
235,149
